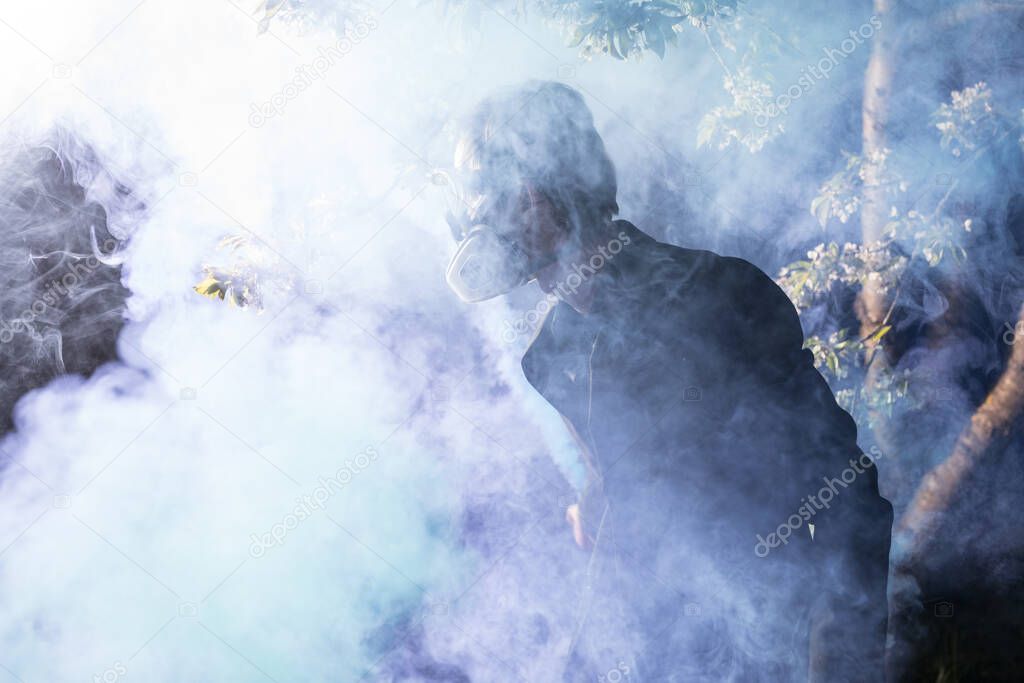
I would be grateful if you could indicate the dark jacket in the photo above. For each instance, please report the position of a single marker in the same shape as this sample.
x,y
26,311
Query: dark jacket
x,y
705,428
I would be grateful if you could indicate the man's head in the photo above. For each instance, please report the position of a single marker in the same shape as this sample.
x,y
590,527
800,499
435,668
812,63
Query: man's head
x,y
534,182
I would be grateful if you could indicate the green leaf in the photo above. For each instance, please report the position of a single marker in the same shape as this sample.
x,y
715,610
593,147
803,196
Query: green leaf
x,y
832,361
212,288
821,208
706,130
879,333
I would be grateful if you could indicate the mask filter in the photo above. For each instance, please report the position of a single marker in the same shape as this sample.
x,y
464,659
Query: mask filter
x,y
486,265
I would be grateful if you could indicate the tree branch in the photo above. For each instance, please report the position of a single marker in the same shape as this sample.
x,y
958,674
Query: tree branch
x,y
873,302
991,424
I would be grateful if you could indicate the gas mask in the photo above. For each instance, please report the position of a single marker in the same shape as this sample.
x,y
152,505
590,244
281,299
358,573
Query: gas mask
x,y
488,261
487,265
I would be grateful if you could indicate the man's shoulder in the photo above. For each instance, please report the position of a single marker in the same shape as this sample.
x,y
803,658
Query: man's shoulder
x,y
668,270
672,292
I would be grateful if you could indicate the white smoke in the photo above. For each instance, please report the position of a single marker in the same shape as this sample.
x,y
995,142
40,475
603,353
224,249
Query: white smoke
x,y
129,501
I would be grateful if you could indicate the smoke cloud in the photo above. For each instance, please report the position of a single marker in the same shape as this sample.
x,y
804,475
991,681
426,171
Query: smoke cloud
x,y
131,499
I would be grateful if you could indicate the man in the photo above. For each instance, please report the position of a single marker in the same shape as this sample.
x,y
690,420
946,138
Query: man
x,y
736,529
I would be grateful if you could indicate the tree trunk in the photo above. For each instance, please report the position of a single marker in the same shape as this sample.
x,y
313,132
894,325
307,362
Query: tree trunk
x,y
873,302
990,425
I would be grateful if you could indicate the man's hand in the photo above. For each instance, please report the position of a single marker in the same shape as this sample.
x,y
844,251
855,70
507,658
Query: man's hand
x,y
575,520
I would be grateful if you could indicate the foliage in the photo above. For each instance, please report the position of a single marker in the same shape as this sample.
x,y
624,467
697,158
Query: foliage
x,y
968,122
618,28
336,14
913,240
828,265
840,195
241,283
627,28
739,121
622,29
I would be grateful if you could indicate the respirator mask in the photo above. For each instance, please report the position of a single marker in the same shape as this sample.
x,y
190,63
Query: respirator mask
x,y
489,261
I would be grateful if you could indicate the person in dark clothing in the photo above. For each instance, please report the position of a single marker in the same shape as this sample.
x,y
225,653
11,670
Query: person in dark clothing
x,y
735,528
